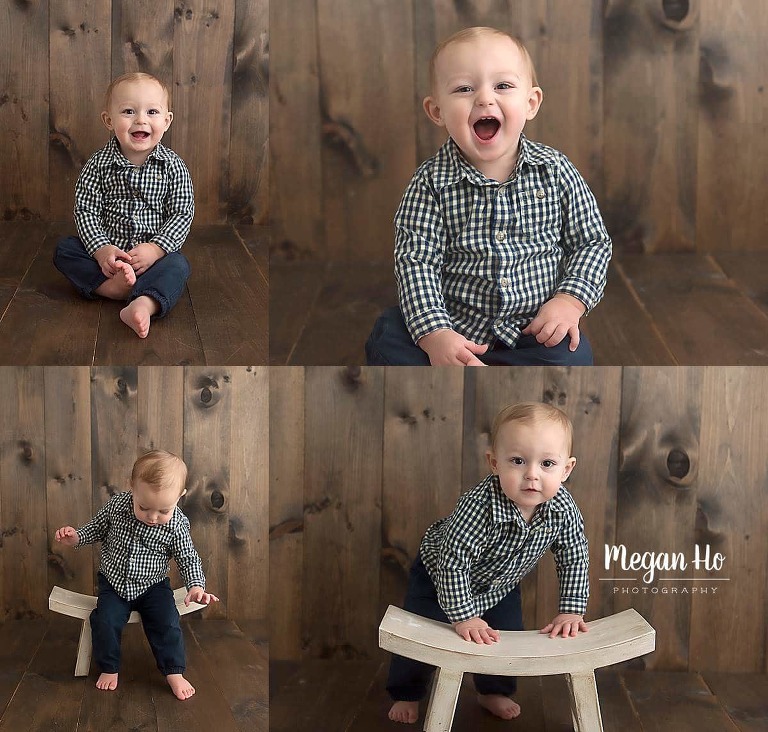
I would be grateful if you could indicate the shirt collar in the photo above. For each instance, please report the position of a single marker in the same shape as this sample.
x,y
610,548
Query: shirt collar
x,y
160,152
450,165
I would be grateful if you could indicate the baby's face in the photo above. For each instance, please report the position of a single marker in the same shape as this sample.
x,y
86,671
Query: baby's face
x,y
153,507
531,460
483,96
138,115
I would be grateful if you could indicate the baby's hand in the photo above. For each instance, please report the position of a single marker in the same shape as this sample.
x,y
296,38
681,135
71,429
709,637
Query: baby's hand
x,y
144,255
67,535
107,256
557,318
566,624
477,630
198,594
445,347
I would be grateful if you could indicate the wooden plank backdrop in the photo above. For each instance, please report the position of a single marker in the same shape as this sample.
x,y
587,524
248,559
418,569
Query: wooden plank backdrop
x,y
660,104
668,458
70,436
58,59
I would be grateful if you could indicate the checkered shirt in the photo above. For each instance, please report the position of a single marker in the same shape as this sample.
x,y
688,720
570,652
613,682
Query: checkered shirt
x,y
121,204
482,550
482,257
135,556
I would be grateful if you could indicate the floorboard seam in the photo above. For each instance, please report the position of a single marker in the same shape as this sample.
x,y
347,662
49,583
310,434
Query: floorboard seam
x,y
630,287
311,307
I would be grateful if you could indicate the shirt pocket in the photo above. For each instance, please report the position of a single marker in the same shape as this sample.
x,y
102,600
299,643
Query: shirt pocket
x,y
541,217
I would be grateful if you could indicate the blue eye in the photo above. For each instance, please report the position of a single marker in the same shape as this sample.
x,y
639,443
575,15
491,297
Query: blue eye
x,y
548,463
517,460
505,85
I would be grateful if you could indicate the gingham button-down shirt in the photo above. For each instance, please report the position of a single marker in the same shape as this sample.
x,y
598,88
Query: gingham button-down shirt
x,y
135,556
482,550
481,257
121,204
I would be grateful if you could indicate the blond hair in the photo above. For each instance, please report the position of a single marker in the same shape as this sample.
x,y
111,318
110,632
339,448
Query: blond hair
x,y
531,412
160,470
135,76
469,34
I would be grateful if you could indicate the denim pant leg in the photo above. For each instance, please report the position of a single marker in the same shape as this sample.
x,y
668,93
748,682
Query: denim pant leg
x,y
107,623
160,619
409,679
390,343
79,267
507,614
529,352
164,281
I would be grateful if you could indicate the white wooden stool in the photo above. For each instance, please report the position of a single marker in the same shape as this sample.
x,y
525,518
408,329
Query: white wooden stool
x,y
80,606
518,653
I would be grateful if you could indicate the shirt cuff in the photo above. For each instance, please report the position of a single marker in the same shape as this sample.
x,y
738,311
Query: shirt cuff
x,y
428,322
96,243
577,605
582,290
461,612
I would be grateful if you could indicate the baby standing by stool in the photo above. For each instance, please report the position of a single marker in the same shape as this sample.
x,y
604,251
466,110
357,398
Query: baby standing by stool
x,y
134,205
140,531
470,563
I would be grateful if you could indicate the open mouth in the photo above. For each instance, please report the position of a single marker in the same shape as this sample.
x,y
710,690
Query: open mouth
x,y
486,128
139,135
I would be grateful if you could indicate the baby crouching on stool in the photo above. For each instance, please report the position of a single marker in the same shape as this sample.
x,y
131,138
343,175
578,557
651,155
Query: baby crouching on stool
x,y
140,530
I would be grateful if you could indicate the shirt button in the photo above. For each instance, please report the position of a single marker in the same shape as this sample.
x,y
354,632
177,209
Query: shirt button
x,y
540,193
504,282
500,236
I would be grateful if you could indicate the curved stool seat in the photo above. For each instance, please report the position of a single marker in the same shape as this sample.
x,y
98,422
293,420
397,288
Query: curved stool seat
x,y
610,640
80,606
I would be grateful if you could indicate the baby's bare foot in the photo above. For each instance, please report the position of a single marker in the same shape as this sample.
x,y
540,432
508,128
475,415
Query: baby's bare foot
x,y
404,711
125,274
107,681
180,686
500,705
136,315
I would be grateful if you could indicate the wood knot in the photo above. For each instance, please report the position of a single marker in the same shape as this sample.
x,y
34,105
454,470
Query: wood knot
x,y
217,500
677,15
27,453
352,376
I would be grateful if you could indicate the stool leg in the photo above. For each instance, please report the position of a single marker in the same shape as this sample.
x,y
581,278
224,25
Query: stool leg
x,y
84,649
585,706
442,700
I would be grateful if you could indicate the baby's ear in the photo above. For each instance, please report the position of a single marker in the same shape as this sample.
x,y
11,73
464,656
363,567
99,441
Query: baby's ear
x,y
433,111
107,120
492,462
169,117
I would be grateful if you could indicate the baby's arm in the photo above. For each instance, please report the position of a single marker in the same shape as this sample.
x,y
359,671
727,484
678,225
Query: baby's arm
x,y
584,240
191,568
95,530
178,210
571,553
419,242
557,318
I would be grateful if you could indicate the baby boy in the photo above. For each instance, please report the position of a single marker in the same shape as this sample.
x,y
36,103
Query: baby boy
x,y
133,208
470,564
500,248
140,530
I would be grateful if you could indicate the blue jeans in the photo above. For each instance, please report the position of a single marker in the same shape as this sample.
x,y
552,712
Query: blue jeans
x,y
164,281
159,617
390,343
408,679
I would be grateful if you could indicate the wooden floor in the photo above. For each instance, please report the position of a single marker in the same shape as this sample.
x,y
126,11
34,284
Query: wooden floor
x,y
658,310
349,696
39,693
221,319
